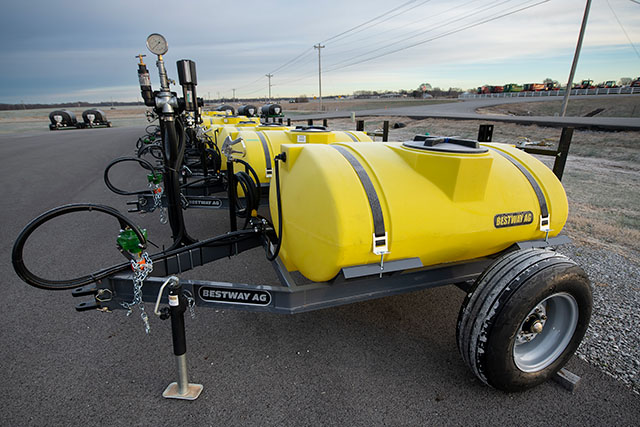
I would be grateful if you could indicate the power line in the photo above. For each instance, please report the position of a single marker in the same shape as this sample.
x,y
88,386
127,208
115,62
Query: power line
x,y
403,37
421,20
484,21
365,23
306,52
428,30
473,12
372,25
623,30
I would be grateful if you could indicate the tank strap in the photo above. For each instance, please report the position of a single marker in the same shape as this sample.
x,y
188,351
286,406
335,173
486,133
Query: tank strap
x,y
267,157
350,135
545,220
380,242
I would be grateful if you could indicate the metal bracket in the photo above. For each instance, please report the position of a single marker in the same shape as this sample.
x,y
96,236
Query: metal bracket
x,y
380,244
87,305
83,291
373,269
545,223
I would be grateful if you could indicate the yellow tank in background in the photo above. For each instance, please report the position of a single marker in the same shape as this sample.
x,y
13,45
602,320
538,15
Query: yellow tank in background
x,y
215,130
223,119
263,144
436,204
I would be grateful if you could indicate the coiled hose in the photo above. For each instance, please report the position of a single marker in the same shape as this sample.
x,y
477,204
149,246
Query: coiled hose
x,y
17,256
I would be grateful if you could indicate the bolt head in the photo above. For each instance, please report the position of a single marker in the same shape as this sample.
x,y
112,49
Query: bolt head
x,y
537,326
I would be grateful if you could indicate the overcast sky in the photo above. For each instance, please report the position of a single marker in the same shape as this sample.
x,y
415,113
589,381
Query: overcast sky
x,y
60,51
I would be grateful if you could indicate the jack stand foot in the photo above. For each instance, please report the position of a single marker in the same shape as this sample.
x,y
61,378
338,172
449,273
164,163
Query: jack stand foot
x,y
173,392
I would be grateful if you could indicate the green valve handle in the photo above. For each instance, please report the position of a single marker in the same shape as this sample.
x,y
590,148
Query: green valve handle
x,y
128,240
155,178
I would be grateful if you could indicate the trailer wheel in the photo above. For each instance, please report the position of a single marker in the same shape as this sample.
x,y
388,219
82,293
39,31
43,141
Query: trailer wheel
x,y
524,318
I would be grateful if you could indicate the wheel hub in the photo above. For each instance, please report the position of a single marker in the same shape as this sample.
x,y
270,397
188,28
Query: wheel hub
x,y
533,324
545,332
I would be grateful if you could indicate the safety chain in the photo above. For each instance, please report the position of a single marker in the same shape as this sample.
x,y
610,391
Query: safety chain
x,y
141,269
157,199
191,303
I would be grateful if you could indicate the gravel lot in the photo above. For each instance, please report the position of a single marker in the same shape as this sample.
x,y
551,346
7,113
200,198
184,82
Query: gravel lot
x,y
612,342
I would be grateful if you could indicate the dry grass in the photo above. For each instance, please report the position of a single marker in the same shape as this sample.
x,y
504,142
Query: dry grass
x,y
313,107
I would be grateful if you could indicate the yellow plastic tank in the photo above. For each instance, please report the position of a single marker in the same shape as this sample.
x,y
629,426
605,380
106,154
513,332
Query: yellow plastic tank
x,y
222,119
441,205
215,131
263,145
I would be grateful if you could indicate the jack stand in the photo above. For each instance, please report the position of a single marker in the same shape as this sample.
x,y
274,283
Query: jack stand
x,y
181,389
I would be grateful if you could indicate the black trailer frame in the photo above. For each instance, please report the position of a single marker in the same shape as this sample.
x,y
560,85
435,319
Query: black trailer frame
x,y
352,284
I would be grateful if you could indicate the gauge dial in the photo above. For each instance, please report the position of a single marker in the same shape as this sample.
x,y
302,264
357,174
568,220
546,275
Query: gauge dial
x,y
157,44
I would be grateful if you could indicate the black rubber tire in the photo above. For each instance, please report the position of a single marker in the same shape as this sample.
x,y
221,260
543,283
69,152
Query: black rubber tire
x,y
498,303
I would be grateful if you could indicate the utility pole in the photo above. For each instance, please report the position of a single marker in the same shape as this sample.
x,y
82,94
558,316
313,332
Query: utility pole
x,y
565,101
269,77
234,94
319,47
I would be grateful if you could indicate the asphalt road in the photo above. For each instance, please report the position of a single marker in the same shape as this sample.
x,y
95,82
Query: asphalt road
x,y
391,361
466,110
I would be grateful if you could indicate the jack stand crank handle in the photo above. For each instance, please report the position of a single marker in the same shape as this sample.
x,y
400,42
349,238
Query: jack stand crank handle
x,y
181,389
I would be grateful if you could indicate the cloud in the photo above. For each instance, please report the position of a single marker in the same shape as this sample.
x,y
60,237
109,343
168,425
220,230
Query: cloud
x,y
87,49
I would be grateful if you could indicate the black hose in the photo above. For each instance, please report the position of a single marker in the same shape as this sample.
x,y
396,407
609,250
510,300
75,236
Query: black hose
x,y
280,157
156,150
250,184
251,194
18,247
216,157
145,164
152,130
39,282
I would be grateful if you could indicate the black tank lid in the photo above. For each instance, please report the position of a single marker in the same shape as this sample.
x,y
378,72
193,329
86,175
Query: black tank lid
x,y
445,144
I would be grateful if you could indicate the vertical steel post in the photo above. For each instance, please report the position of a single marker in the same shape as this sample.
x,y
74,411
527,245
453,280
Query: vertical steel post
x,y
385,131
565,101
319,47
563,152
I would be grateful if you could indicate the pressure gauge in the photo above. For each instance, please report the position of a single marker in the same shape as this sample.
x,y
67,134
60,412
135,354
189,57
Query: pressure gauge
x,y
157,44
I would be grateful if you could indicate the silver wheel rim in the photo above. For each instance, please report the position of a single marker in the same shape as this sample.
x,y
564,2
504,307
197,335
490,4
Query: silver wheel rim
x,y
545,332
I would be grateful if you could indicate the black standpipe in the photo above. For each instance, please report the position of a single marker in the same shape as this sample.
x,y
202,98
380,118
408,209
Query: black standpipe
x,y
233,195
181,389
173,160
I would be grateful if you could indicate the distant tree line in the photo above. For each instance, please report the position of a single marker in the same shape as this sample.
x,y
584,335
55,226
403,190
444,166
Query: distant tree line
x,y
419,93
